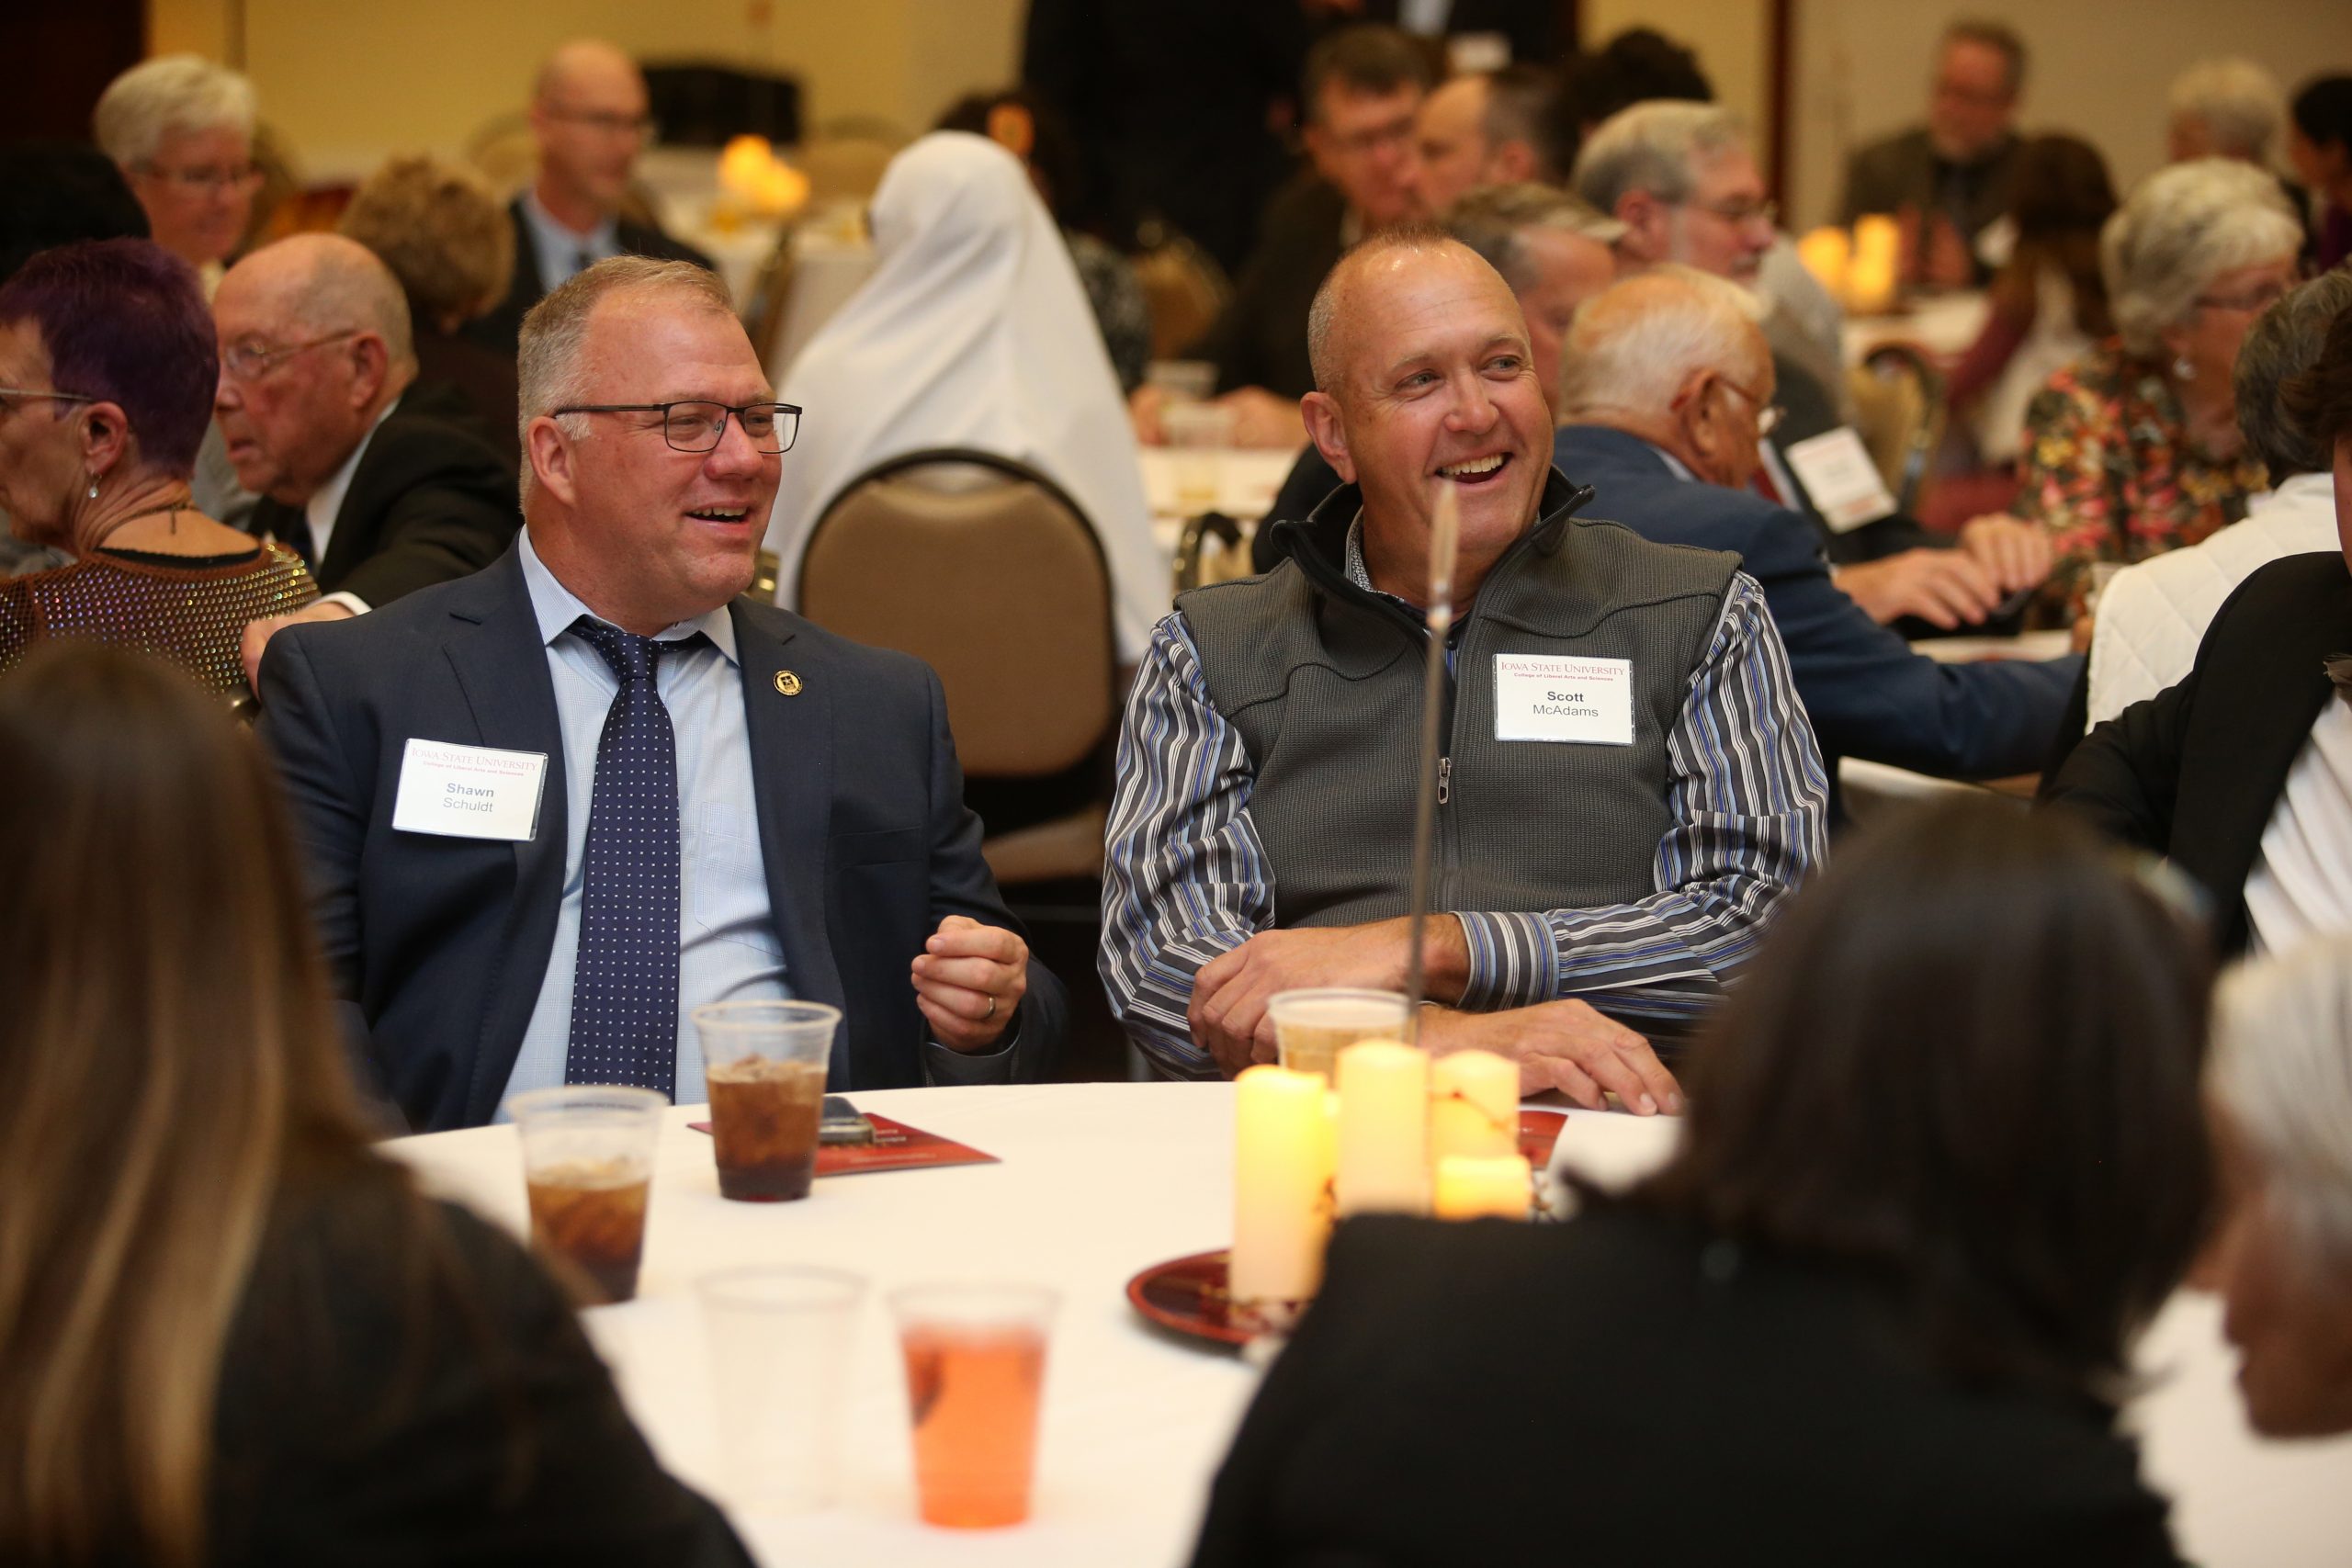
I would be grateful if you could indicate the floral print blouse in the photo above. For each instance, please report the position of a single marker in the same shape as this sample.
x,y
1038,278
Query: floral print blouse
x,y
2108,467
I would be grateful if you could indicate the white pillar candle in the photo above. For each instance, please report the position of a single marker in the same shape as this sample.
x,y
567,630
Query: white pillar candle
x,y
1281,1171
1384,1154
1474,1104
1473,1187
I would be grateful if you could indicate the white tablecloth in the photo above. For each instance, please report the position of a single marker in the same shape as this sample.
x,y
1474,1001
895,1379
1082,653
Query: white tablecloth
x,y
1098,1180
1247,481
1943,324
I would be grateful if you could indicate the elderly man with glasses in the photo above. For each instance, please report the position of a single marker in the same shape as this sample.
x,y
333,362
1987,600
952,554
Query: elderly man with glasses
x,y
590,119
1681,178
1667,389
380,487
554,806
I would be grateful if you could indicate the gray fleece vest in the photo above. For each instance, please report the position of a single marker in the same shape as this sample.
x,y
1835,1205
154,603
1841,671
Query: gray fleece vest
x,y
1323,680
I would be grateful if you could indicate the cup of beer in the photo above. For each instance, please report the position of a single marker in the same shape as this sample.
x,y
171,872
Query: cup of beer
x,y
1313,1026
975,1371
764,1064
588,1164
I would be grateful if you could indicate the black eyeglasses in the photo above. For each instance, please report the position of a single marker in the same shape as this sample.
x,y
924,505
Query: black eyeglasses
x,y
698,426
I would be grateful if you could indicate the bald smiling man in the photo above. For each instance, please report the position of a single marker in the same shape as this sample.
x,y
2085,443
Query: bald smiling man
x,y
589,118
1629,785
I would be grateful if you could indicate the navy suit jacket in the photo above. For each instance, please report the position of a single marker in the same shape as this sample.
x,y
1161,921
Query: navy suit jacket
x,y
442,943
1869,694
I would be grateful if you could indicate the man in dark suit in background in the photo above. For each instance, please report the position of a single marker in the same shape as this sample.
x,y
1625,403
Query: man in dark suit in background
x,y
1950,178
553,806
380,489
1530,28
589,116
1666,386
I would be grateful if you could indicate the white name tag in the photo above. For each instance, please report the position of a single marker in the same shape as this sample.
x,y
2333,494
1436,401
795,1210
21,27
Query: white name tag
x,y
1836,469
1541,698
469,792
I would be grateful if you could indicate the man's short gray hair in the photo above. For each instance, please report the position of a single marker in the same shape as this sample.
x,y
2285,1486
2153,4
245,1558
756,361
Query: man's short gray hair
x,y
548,373
2282,1070
2237,101
1322,315
1491,218
2181,228
1655,147
176,94
2285,343
1632,345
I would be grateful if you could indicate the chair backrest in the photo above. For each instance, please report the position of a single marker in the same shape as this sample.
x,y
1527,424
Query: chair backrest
x,y
844,168
988,571
1183,289
1899,412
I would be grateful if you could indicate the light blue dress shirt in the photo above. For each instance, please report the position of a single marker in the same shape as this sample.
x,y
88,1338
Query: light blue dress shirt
x,y
727,949
560,248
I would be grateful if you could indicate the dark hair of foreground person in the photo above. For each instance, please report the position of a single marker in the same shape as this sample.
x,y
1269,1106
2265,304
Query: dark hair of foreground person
x,y
1944,1158
232,1333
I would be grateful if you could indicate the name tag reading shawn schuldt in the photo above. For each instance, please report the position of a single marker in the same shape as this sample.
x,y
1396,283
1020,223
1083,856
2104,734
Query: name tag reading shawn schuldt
x,y
1545,698
469,792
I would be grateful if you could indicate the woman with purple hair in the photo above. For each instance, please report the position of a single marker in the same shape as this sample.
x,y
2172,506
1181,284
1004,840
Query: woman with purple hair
x,y
107,367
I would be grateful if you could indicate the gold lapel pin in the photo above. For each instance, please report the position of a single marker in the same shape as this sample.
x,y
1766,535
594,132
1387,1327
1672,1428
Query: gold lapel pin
x,y
787,683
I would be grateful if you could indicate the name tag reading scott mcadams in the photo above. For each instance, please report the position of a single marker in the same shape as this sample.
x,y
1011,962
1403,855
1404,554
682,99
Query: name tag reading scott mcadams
x,y
469,792
1587,701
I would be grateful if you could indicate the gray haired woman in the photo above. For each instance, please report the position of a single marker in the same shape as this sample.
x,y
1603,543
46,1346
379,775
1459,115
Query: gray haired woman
x,y
182,130
2280,1087
2136,449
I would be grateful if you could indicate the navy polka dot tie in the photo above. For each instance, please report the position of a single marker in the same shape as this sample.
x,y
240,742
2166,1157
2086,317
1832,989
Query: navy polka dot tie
x,y
625,988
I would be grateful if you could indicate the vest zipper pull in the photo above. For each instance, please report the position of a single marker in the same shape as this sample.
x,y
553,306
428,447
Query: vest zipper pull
x,y
1444,779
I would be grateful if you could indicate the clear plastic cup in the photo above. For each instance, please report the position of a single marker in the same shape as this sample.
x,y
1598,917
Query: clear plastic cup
x,y
764,1064
975,1372
588,1165
779,1343
1313,1026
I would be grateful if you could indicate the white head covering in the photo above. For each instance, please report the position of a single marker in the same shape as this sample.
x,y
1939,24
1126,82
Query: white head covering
x,y
974,332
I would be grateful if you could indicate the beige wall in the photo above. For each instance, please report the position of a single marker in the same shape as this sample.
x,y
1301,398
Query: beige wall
x,y
2099,70
1730,37
348,84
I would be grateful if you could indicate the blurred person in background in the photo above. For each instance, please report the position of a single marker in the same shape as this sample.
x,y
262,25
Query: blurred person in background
x,y
591,117
2134,449
1362,88
2224,108
382,487
236,1334
181,129
1635,66
1492,128
1664,382
2319,144
1944,1159
1528,30
2280,1089
58,192
1019,122
1948,179
972,331
2153,615
107,371
2048,302
2241,771
1681,178
447,240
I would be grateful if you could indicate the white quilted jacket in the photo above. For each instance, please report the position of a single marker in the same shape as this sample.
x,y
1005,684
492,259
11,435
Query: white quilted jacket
x,y
2153,615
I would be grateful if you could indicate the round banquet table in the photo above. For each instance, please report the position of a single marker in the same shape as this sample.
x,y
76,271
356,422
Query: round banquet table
x,y
1099,1181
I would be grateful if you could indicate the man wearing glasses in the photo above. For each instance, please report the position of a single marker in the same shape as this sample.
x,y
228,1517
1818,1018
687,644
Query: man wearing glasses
x,y
1680,177
554,806
1667,392
1951,177
382,488
589,116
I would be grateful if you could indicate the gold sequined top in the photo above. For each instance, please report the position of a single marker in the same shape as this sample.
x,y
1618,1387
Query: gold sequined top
x,y
193,616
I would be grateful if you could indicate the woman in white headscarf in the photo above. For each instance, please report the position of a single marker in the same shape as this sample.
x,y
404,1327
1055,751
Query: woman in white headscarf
x,y
973,331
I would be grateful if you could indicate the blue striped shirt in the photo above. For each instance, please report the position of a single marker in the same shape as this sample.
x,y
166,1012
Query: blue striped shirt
x,y
1186,877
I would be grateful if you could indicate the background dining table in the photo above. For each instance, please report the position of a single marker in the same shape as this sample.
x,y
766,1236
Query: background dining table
x,y
1098,1181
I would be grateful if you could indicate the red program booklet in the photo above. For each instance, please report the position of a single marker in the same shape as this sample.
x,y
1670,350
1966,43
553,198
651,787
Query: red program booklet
x,y
896,1146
